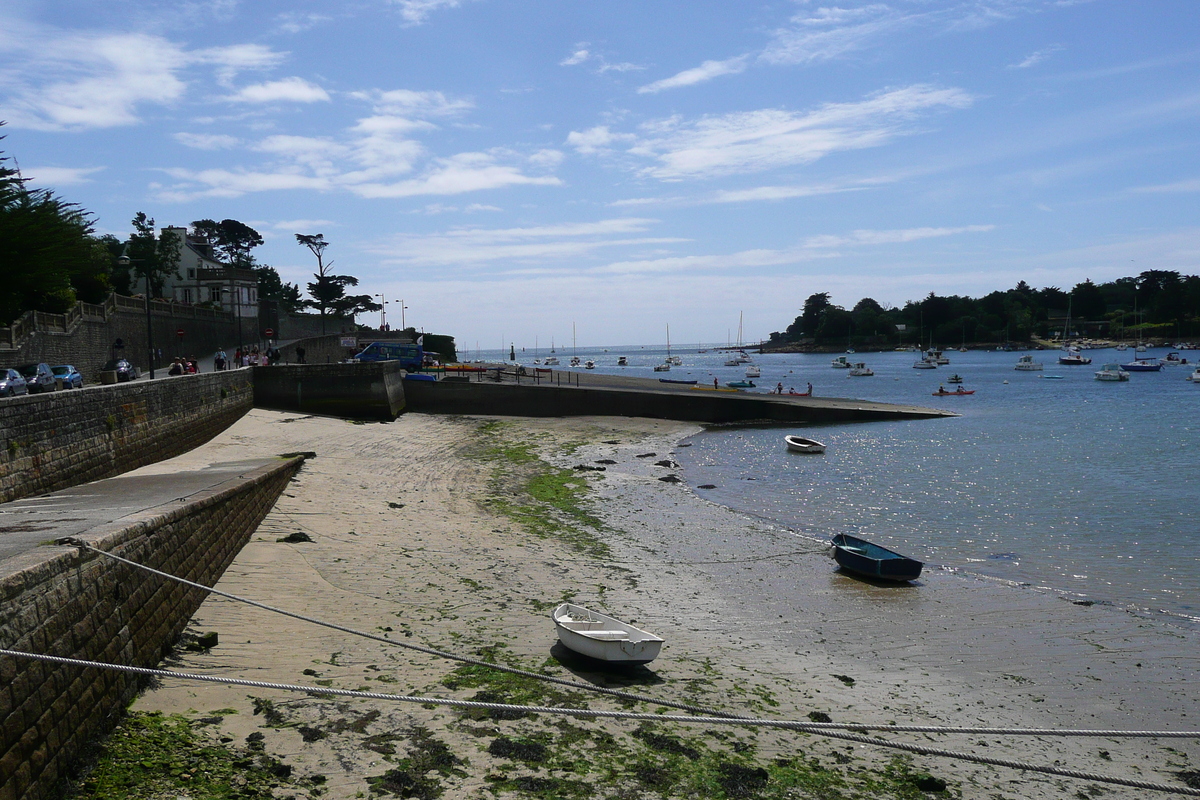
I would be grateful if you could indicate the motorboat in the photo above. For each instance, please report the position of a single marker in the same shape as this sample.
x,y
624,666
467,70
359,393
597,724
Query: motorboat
x,y
550,361
1173,360
1072,357
676,361
955,378
604,638
589,364
1111,372
740,384
733,362
924,363
1195,376
1143,365
622,361
1026,364
799,444
869,559
663,367
936,357
574,361
860,370
840,363
753,372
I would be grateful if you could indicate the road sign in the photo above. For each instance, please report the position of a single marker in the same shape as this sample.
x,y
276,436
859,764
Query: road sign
x,y
270,332
179,333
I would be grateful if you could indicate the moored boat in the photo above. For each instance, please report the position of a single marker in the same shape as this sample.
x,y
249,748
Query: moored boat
x,y
925,363
799,444
1143,365
840,363
550,361
589,364
1111,372
622,361
1195,376
867,558
663,367
860,370
955,378
1027,364
1072,357
668,380
740,384
604,638
752,371
960,391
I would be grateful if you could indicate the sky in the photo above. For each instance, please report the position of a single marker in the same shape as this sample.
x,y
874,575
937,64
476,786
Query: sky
x,y
512,171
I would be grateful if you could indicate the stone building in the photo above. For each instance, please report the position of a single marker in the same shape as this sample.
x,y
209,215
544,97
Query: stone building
x,y
204,279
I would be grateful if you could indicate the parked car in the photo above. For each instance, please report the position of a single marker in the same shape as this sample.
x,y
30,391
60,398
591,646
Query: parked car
x,y
38,377
11,383
125,371
70,377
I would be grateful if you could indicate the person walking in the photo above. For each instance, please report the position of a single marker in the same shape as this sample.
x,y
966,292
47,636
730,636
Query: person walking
x,y
220,359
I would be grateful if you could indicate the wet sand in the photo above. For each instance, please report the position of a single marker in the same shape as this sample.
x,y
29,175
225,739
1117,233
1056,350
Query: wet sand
x,y
404,543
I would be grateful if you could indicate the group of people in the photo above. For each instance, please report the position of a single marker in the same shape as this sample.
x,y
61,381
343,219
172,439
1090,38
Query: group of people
x,y
183,366
250,357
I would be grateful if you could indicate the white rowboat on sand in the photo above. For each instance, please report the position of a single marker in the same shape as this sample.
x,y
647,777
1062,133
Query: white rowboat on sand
x,y
798,444
603,638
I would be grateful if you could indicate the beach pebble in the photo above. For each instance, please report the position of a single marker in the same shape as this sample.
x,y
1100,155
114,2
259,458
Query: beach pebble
x,y
646,455
669,479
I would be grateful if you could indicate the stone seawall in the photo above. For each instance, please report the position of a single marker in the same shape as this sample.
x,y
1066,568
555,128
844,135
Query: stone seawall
x,y
372,390
65,601
52,441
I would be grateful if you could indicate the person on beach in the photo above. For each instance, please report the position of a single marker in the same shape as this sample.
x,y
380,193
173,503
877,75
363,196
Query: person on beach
x,y
779,388
715,384
809,390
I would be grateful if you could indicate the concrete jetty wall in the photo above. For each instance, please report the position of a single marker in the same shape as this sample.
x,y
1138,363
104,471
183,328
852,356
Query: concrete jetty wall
x,y
54,441
362,391
64,601
552,400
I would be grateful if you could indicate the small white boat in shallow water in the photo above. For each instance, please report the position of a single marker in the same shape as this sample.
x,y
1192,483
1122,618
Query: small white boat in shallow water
x,y
603,638
798,444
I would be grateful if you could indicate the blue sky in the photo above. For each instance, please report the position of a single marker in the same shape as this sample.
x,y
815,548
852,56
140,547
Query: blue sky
x,y
510,168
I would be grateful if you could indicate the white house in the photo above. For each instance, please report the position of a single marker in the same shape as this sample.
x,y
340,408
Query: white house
x,y
201,278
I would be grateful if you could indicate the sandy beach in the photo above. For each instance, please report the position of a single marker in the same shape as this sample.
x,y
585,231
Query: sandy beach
x,y
447,532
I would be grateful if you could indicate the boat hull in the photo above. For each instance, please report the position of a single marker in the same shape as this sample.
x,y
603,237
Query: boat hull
x,y
603,638
869,559
798,444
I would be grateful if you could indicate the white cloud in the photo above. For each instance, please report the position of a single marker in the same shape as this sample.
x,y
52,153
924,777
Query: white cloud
x,y
234,183
760,193
298,22
475,246
1190,185
49,177
409,103
754,141
870,237
207,141
597,139
75,81
547,158
1035,58
288,90
481,207
465,172
690,77
580,55
415,12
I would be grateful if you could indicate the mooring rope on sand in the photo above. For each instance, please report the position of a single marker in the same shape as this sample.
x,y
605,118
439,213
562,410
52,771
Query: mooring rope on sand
x,y
845,731
820,728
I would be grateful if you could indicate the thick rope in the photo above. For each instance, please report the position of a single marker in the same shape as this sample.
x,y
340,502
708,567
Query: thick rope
x,y
851,726
807,727
583,687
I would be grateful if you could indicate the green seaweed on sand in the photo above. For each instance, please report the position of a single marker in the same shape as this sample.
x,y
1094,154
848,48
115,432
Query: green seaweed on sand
x,y
545,500
152,755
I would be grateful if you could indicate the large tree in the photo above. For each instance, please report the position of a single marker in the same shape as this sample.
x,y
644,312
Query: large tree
x,y
150,255
231,240
51,240
328,291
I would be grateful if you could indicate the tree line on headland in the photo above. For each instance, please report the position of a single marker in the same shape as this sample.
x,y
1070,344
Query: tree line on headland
x,y
1155,305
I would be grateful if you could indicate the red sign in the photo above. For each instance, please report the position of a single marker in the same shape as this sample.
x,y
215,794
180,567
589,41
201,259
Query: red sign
x,y
179,333
269,332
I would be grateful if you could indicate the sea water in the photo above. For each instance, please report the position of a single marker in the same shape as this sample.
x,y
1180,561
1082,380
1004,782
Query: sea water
x,y
1049,478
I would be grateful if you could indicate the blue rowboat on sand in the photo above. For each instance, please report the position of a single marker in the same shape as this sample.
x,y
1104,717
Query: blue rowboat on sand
x,y
867,558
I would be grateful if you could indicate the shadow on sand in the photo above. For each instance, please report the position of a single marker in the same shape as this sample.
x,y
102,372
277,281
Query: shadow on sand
x,y
604,673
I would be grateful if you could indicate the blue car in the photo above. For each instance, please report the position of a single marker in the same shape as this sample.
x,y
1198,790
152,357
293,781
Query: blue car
x,y
38,377
71,379
11,383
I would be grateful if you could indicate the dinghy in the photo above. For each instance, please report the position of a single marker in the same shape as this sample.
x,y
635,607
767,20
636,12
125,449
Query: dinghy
x,y
798,444
603,638
866,558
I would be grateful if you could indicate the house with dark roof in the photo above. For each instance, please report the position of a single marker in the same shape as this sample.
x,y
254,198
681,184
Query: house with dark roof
x,y
203,279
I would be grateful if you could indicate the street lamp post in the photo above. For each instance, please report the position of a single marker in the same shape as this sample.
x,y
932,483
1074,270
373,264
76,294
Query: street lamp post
x,y
124,260
382,311
403,326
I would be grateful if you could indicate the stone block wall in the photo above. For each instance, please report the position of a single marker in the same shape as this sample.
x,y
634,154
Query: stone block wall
x,y
68,602
372,390
52,441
